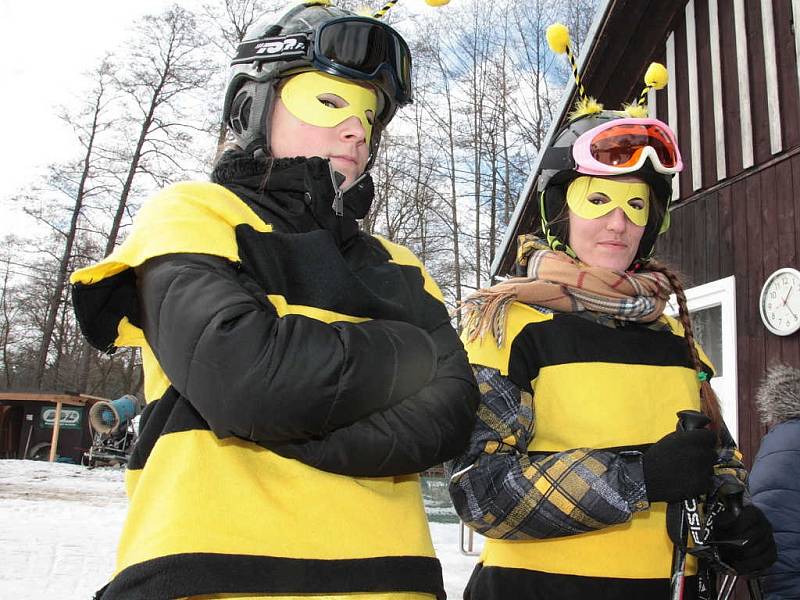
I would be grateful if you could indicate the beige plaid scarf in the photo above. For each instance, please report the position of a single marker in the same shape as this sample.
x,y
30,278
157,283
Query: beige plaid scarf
x,y
561,283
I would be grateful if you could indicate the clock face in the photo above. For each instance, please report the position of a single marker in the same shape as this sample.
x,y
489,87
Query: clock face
x,y
780,302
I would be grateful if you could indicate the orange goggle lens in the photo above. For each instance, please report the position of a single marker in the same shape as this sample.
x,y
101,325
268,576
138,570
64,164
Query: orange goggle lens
x,y
622,146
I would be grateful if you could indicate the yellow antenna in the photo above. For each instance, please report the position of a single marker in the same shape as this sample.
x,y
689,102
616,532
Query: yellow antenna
x,y
386,8
391,3
656,78
558,40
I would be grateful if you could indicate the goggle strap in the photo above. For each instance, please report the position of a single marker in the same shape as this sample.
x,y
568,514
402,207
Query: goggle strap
x,y
272,49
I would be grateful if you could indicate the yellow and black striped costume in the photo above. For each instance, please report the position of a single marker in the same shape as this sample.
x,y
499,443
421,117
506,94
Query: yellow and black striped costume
x,y
298,374
553,474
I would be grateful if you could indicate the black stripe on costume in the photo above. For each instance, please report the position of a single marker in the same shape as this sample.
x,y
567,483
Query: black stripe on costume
x,y
171,414
309,269
184,575
100,307
570,338
497,583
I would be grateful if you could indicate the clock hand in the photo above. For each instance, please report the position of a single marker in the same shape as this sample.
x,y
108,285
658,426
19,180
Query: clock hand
x,y
787,296
790,310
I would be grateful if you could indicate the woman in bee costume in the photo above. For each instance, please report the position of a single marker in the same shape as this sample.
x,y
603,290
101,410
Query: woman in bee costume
x,y
575,452
298,372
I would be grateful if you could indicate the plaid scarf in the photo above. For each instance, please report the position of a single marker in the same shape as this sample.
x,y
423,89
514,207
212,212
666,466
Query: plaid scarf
x,y
561,283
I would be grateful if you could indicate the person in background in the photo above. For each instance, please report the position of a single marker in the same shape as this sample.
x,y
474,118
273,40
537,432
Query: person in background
x,y
299,372
575,454
775,477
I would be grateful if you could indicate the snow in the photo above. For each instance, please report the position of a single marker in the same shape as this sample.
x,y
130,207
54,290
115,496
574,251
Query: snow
x,y
59,525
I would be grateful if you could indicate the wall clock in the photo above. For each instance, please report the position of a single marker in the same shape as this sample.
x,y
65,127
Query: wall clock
x,y
780,302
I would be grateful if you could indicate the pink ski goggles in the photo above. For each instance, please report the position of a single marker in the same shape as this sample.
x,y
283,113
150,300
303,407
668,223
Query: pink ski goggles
x,y
622,145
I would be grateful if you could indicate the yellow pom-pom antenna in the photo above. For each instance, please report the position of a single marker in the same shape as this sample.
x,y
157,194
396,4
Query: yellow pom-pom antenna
x,y
655,78
558,38
436,2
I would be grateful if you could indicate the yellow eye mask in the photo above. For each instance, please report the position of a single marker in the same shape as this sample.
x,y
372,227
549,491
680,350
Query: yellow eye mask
x,y
303,96
619,194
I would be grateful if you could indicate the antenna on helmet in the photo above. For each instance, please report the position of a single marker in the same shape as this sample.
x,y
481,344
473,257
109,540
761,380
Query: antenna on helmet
x,y
558,40
655,78
391,3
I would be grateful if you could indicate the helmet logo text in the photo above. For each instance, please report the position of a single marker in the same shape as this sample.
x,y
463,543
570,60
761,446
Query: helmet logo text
x,y
276,47
272,49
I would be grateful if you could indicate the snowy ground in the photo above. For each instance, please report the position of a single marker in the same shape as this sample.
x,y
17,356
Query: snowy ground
x,y
59,525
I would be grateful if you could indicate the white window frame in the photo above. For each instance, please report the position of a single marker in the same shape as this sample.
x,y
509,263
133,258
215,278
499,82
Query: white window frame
x,y
722,293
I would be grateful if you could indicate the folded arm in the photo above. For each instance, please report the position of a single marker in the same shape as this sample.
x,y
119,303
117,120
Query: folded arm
x,y
268,378
425,429
501,491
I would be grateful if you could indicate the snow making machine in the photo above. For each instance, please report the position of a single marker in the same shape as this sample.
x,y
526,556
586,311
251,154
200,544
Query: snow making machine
x,y
67,427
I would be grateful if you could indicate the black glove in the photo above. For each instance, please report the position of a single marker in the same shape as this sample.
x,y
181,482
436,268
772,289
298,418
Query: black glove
x,y
751,525
679,466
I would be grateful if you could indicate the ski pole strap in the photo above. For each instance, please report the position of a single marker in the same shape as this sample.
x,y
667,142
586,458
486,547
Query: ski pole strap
x,y
675,524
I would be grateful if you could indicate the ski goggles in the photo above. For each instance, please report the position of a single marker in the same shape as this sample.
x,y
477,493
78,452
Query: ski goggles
x,y
622,146
351,47
314,98
365,49
633,197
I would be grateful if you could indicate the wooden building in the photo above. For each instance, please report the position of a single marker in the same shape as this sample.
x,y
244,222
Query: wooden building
x,y
733,100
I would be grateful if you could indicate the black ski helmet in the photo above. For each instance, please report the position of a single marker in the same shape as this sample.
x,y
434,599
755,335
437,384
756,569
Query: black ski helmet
x,y
272,50
558,171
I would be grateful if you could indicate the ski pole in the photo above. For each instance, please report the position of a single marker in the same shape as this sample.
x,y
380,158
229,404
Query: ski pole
x,y
689,517
733,503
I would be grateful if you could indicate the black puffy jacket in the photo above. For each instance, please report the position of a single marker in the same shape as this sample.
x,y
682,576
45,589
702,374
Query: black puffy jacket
x,y
273,330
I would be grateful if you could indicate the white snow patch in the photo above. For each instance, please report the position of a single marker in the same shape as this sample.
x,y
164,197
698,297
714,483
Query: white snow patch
x,y
59,526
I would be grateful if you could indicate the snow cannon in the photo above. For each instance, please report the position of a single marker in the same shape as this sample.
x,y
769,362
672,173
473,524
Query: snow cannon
x,y
107,417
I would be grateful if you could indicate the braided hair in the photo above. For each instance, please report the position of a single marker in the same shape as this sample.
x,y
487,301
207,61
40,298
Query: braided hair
x,y
708,398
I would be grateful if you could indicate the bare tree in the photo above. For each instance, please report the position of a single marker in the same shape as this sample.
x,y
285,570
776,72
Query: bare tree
x,y
474,47
8,310
447,126
166,63
88,125
230,22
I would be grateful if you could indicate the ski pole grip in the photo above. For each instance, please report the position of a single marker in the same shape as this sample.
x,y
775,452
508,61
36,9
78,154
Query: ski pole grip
x,y
691,419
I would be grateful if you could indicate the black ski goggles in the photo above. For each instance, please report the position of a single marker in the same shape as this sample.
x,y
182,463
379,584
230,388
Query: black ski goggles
x,y
366,49
351,47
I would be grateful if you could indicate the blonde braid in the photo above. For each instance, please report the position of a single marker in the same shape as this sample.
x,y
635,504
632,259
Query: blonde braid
x,y
708,398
